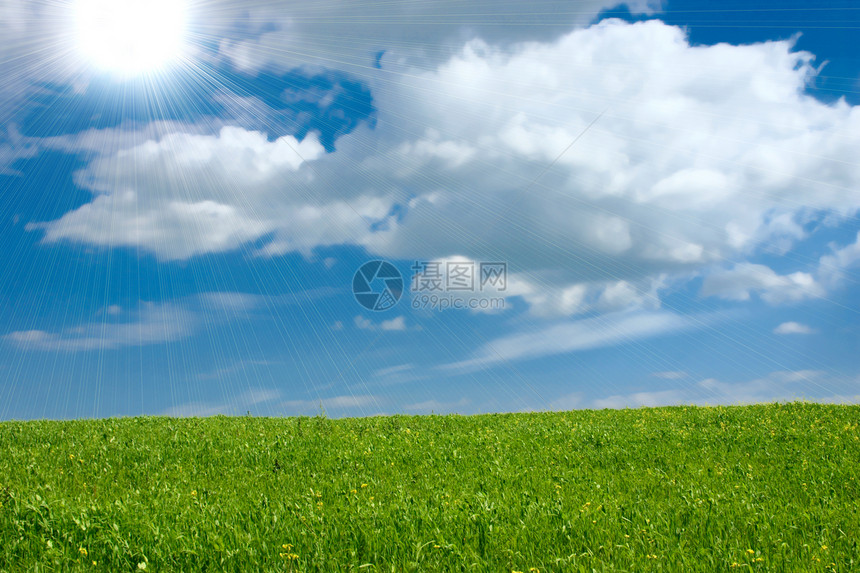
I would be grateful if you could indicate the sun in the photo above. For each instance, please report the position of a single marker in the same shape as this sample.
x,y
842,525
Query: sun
x,y
131,37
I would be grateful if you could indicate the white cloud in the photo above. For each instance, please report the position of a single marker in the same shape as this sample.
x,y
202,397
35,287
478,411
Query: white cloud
x,y
237,405
346,35
151,324
739,282
14,147
257,396
670,375
400,374
195,410
154,323
189,194
394,370
673,176
833,266
362,404
639,399
246,367
783,385
567,402
607,330
393,324
548,299
398,323
776,386
434,406
693,163
793,328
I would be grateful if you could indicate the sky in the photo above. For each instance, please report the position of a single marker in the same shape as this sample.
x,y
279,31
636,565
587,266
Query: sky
x,y
286,208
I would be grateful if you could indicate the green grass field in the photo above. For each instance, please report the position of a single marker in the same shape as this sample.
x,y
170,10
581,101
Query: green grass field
x,y
770,488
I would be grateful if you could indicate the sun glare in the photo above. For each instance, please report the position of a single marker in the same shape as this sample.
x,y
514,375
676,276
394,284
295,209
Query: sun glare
x,y
130,37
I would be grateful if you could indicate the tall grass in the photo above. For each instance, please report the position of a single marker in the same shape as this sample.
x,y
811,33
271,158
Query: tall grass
x,y
770,488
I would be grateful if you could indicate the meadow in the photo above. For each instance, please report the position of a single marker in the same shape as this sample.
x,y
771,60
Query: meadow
x,y
762,488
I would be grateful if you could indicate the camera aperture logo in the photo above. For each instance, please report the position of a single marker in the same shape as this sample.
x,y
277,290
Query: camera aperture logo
x,y
435,285
377,285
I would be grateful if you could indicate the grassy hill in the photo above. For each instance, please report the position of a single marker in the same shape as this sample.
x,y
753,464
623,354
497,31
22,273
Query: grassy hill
x,y
770,488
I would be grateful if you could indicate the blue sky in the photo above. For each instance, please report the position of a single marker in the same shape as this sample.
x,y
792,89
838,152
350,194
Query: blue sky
x,y
673,187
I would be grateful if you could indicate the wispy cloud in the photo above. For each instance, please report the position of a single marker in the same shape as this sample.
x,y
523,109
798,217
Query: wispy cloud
x,y
237,405
156,323
812,385
670,375
151,324
342,405
393,324
243,366
567,402
400,374
437,407
608,330
793,328
638,399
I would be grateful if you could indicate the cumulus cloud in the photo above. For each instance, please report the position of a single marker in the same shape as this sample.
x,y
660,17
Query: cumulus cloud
x,y
705,153
833,266
673,175
547,299
40,42
348,35
189,194
739,282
